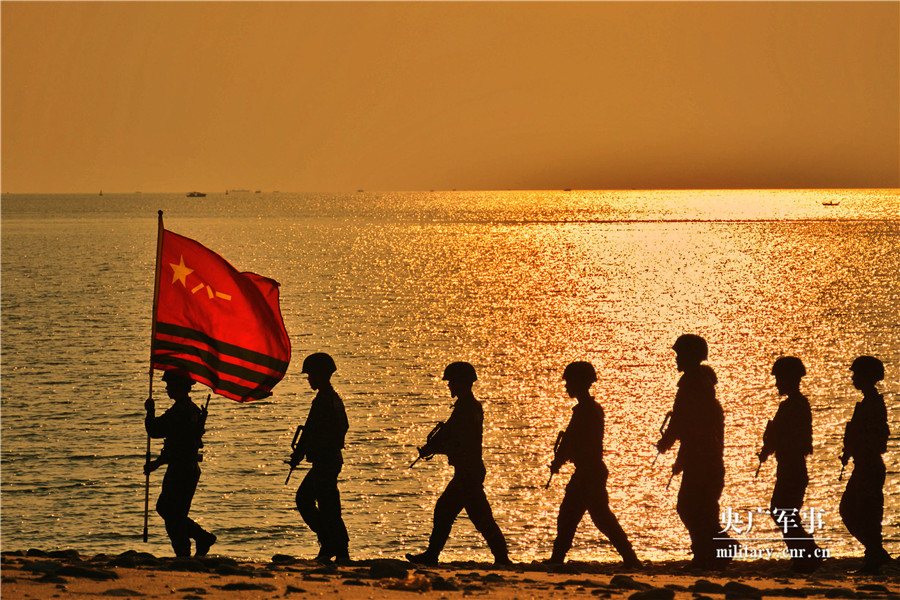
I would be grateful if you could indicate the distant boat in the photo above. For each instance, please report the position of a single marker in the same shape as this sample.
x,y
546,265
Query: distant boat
x,y
258,192
829,203
101,192
196,195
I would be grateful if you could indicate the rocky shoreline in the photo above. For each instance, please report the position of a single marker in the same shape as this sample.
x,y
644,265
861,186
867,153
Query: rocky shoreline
x,y
139,575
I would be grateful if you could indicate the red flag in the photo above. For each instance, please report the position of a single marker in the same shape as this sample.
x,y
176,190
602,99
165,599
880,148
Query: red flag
x,y
221,326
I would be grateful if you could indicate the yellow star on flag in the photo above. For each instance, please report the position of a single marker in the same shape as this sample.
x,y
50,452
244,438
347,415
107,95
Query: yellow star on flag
x,y
181,272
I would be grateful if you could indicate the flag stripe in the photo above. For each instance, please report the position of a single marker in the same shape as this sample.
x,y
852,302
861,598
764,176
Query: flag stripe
x,y
227,388
223,348
213,361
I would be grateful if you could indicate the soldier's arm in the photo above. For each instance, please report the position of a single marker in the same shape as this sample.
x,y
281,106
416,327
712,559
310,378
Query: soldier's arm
x,y
439,441
564,452
671,434
157,427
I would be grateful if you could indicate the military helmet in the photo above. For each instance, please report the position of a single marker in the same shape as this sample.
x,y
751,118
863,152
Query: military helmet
x,y
789,366
460,371
319,363
691,345
580,371
869,365
177,376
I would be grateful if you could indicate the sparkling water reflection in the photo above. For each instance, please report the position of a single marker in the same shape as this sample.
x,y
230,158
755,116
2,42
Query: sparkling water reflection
x,y
395,286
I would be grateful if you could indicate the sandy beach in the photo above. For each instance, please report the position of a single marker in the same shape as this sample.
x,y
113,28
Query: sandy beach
x,y
67,574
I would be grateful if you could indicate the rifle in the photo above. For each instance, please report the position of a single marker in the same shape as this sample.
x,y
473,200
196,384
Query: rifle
x,y
204,412
662,432
556,445
428,438
760,455
293,449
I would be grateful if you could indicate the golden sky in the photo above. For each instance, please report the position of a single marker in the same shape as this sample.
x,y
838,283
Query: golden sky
x,y
336,96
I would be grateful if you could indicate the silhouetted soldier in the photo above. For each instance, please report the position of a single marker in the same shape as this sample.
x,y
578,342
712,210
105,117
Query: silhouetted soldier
x,y
182,426
698,423
318,499
789,437
460,440
865,440
582,444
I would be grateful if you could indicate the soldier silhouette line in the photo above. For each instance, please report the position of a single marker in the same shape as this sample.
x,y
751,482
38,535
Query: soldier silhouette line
x,y
865,440
318,499
582,444
789,437
182,426
460,439
698,423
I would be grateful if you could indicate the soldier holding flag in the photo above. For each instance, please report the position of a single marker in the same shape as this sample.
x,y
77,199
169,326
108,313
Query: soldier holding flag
x,y
182,426
212,325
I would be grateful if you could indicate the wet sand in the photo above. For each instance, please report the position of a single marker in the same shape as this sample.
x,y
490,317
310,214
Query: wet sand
x,y
67,574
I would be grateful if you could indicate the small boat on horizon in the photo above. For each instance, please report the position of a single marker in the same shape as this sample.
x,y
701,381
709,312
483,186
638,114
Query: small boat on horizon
x,y
830,203
196,195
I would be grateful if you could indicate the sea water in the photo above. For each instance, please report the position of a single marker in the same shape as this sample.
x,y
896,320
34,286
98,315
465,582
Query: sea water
x,y
397,285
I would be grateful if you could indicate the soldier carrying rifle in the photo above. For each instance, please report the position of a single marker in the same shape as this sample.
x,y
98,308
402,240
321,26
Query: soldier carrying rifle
x,y
698,424
865,440
582,444
320,443
789,437
460,439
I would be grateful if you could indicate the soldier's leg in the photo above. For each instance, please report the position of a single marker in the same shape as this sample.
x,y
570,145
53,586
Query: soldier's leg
x,y
173,506
334,532
871,512
698,507
787,499
306,503
479,510
850,507
446,509
571,511
608,524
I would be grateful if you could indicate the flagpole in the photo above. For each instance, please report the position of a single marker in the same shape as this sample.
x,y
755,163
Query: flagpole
x,y
159,238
